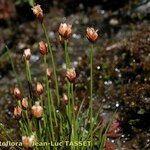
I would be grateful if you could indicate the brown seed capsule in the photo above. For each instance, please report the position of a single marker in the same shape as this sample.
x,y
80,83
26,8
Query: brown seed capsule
x,y
37,110
39,88
91,34
65,99
27,54
24,103
17,112
38,12
65,30
71,74
43,48
17,93
28,141
49,72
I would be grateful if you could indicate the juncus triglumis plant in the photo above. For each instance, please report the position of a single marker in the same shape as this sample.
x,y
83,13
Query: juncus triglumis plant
x,y
47,114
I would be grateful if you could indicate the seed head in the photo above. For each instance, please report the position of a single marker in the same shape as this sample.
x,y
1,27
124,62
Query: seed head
x,y
43,48
38,12
25,103
39,88
49,72
71,74
17,112
91,34
28,141
65,99
37,110
65,30
17,93
27,54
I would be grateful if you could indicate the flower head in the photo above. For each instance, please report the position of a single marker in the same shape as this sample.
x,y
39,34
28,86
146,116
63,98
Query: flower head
x,y
17,93
28,141
37,110
65,99
17,112
38,12
27,54
65,30
39,88
91,34
71,74
49,72
43,48
24,103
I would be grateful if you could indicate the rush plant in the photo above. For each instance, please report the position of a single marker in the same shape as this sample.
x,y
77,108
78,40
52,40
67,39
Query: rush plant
x,y
47,119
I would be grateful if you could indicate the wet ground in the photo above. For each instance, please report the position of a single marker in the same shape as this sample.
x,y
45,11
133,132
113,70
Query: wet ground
x,y
121,62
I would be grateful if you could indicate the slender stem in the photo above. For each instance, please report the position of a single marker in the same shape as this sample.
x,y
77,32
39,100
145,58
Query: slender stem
x,y
69,103
67,60
25,124
28,72
28,121
68,63
53,63
29,79
91,90
69,93
73,111
49,104
49,95
66,57
44,113
72,97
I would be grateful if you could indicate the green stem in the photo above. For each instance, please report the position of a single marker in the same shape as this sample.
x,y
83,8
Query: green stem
x,y
28,72
50,106
69,93
25,121
69,103
73,117
29,79
29,122
53,63
91,90
68,63
49,95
